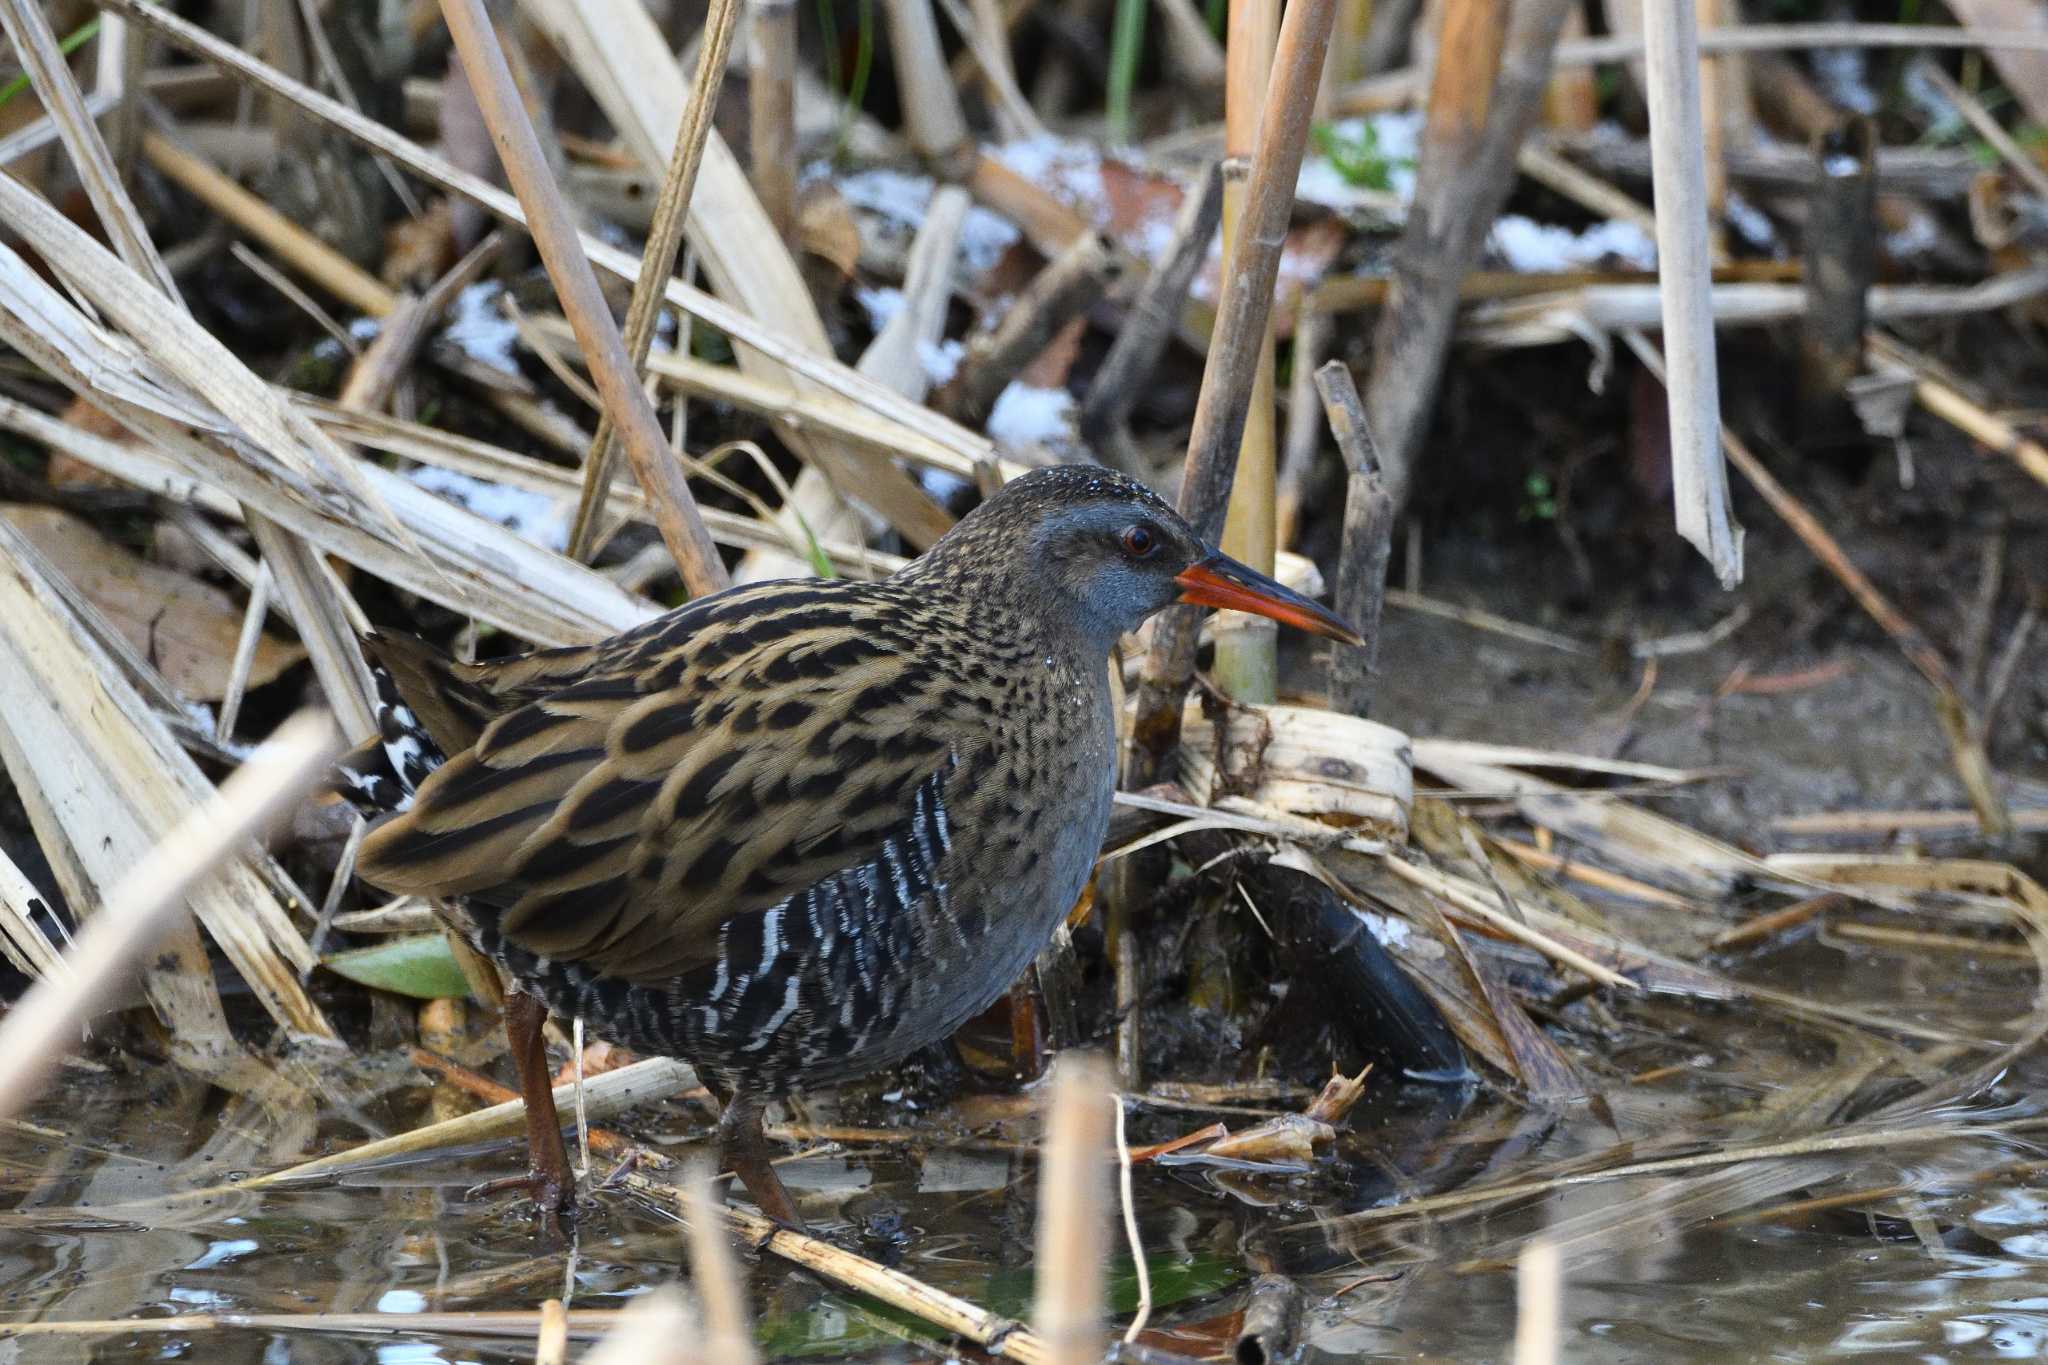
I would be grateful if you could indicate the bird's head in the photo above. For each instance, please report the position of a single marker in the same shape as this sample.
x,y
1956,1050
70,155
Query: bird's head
x,y
1104,552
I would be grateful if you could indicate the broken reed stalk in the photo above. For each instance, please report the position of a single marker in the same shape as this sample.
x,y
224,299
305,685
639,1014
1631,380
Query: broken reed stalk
x,y
771,109
931,104
1073,1226
1234,349
1247,663
1678,175
1966,743
652,463
556,237
1061,292
1476,122
995,1334
1272,1321
1368,540
45,1023
1302,439
1841,263
1150,323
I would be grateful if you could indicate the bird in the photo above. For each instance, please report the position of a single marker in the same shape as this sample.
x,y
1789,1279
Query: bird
x,y
794,831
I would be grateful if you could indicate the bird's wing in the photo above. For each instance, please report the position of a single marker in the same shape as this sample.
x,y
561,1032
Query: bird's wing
x,y
621,819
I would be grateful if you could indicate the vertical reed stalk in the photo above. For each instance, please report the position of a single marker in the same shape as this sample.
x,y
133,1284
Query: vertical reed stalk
x,y
657,263
1246,663
771,109
1073,1223
561,250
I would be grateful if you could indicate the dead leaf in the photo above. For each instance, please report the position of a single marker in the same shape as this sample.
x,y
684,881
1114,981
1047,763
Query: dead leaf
x,y
825,227
1290,1137
185,627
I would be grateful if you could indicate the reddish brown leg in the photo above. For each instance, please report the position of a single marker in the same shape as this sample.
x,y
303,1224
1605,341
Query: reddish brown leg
x,y
743,1150
547,1160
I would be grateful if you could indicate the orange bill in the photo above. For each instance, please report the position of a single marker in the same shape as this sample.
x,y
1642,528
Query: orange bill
x,y
1220,581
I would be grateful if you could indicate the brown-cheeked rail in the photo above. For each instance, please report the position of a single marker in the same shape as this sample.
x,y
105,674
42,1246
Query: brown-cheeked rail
x,y
795,831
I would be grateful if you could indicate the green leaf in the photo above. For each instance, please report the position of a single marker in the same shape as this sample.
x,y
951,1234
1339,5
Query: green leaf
x,y
78,38
420,965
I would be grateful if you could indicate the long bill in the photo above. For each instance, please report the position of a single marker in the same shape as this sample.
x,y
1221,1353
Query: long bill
x,y
1220,581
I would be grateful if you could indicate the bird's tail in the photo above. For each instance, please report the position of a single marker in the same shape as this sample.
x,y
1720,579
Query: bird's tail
x,y
381,775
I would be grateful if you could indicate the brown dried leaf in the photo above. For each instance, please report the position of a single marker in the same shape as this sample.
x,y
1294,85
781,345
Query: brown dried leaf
x,y
186,628
825,228
1290,1137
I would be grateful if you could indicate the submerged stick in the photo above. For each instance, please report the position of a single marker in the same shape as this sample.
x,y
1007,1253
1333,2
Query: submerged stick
x,y
45,1023
556,237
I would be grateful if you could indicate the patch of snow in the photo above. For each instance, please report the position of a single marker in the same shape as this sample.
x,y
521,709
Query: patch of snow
x,y
1752,222
1072,170
1028,415
478,327
1396,138
1843,74
904,199
1921,234
941,360
882,304
204,721
532,516
1943,119
363,330
1391,932
1539,248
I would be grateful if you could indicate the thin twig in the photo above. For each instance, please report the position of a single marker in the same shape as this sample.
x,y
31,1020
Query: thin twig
x,y
1131,1237
658,262
556,237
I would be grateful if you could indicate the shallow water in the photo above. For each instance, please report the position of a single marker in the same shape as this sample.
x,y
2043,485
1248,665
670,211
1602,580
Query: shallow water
x,y
1948,1259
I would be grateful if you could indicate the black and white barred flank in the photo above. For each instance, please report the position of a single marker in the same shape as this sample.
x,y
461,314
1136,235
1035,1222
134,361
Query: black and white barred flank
x,y
381,775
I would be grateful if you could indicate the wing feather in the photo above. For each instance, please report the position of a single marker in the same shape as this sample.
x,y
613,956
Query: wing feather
x,y
638,795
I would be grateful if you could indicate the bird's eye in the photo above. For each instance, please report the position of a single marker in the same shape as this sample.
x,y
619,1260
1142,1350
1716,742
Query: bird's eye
x,y
1138,541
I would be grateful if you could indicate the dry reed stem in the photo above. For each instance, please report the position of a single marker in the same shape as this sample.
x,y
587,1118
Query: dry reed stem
x,y
658,1329
557,239
771,109
995,1334
1539,1303
1153,316
22,940
28,26
719,1297
1235,348
791,350
658,259
45,1023
896,356
551,1342
1062,291
1966,746
1368,540
1392,89
1699,479
1948,402
1073,1229
297,247
931,105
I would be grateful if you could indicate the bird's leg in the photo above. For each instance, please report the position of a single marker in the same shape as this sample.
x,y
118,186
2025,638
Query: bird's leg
x,y
547,1160
743,1150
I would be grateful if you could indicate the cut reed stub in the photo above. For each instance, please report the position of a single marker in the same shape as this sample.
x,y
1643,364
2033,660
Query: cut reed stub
x,y
1333,769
